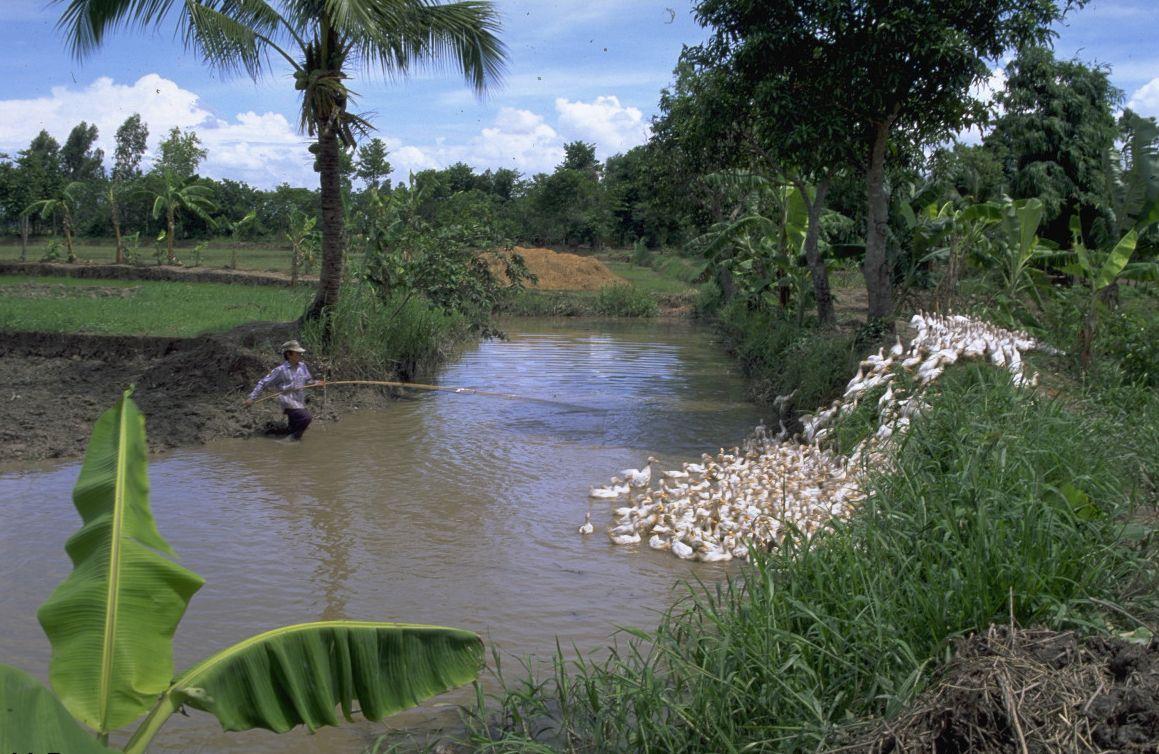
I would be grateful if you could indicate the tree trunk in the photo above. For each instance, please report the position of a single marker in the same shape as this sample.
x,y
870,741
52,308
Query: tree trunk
x,y
172,259
25,224
817,267
333,244
120,258
878,284
67,225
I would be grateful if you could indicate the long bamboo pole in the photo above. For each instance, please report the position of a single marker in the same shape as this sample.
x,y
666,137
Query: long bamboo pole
x,y
420,386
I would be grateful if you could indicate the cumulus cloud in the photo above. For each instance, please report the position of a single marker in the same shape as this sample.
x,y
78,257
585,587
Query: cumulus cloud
x,y
517,139
261,149
613,127
1145,100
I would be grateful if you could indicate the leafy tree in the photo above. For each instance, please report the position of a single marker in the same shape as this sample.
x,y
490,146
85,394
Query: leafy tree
x,y
40,173
181,154
63,203
80,161
863,77
131,139
174,194
373,167
1054,139
1135,168
580,155
319,39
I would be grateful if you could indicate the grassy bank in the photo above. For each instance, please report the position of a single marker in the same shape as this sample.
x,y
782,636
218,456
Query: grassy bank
x,y
1004,505
141,307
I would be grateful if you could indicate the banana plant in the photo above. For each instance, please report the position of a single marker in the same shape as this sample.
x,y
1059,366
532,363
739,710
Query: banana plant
x,y
111,625
1099,270
759,248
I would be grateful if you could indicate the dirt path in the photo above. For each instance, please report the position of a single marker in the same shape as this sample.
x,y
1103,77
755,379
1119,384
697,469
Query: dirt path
x,y
150,272
190,389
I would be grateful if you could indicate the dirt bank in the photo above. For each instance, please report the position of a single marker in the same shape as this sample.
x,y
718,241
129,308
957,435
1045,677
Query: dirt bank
x,y
190,389
152,272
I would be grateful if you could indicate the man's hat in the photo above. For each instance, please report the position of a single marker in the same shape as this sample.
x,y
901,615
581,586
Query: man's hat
x,y
293,345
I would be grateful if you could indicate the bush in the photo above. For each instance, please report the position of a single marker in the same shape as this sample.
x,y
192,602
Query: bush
x,y
626,301
781,355
371,336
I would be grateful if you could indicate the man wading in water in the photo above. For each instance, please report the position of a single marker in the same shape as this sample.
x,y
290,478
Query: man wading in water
x,y
288,378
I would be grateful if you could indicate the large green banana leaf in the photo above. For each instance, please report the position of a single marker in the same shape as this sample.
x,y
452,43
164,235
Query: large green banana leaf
x,y
111,622
33,720
305,674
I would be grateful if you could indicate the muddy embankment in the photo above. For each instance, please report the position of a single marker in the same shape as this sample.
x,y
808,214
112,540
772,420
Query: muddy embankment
x,y
190,389
142,272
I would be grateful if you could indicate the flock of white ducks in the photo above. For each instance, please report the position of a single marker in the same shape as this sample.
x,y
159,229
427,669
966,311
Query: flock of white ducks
x,y
713,510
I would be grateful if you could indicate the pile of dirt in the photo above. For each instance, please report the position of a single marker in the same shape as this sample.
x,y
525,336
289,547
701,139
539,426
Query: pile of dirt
x,y
560,271
190,389
1036,690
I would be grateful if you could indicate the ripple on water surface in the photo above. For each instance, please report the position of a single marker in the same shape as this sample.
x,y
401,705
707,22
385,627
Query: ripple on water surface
x,y
444,508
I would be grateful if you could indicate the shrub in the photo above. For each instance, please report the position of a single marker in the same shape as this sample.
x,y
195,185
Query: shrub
x,y
626,301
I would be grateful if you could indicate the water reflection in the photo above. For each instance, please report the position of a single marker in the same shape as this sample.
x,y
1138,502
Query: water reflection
x,y
445,508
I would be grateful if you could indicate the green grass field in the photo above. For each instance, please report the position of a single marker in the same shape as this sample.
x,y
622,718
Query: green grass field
x,y
255,257
648,279
138,307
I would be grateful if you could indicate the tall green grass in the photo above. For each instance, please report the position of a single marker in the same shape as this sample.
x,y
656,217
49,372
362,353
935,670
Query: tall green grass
x,y
398,337
1003,505
780,355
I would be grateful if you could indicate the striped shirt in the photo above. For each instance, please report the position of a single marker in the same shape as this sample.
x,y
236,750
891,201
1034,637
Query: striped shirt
x,y
288,382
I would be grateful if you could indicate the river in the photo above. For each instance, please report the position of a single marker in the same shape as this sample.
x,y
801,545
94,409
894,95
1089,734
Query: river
x,y
444,509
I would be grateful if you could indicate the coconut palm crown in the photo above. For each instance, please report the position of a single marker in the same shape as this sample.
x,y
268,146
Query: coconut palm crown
x,y
321,40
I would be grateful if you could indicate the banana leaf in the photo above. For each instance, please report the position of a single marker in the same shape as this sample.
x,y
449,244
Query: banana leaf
x,y
1115,262
111,621
33,720
309,673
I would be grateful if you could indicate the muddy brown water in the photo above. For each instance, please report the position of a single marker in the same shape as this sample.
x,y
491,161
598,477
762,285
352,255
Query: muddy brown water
x,y
443,509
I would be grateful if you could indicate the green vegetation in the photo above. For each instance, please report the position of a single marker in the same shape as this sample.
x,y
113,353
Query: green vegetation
x,y
1004,505
379,337
120,307
111,624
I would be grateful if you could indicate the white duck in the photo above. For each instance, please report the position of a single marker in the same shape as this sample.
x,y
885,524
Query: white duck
x,y
639,477
587,527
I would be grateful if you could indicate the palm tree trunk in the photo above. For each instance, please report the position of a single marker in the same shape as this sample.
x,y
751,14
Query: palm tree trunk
x,y
120,258
333,243
169,237
817,265
876,271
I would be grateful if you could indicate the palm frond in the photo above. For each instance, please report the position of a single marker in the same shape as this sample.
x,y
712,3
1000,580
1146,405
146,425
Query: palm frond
x,y
86,22
403,35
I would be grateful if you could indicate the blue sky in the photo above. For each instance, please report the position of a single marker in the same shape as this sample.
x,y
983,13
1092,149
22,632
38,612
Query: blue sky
x,y
578,69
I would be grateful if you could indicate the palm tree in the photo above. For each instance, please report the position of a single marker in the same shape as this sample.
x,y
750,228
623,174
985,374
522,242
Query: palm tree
x,y
173,195
62,202
320,39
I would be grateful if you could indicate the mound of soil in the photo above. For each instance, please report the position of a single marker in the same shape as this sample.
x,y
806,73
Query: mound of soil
x,y
560,271
190,389
1012,690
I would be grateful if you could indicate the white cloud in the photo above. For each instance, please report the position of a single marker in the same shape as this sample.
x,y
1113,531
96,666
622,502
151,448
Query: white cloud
x,y
517,139
261,149
613,127
1145,100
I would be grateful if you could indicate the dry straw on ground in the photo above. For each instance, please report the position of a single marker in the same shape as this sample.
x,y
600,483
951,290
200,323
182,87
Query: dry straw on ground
x,y
560,271
1031,691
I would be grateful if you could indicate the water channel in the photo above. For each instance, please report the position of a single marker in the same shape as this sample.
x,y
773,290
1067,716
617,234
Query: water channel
x,y
444,509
